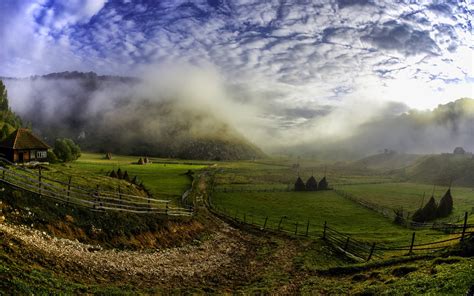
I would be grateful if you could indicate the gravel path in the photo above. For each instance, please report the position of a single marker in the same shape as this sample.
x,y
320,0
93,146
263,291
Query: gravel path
x,y
193,261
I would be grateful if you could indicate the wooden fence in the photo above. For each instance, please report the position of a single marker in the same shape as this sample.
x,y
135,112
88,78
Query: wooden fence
x,y
95,199
403,220
346,243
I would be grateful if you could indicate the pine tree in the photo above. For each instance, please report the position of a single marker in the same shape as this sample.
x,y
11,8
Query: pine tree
x,y
126,177
113,174
119,174
3,97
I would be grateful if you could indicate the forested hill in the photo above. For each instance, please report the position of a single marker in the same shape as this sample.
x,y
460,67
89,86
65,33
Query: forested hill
x,y
9,121
110,113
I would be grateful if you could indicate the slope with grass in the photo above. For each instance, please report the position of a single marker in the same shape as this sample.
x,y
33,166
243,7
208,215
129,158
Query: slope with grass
x,y
166,180
409,196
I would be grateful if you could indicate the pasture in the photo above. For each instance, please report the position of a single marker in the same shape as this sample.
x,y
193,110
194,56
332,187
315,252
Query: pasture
x,y
164,178
259,191
409,196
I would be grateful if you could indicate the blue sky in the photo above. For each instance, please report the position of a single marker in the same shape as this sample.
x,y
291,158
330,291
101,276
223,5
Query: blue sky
x,y
306,54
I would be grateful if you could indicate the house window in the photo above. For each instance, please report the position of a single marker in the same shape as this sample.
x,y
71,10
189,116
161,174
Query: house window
x,y
32,154
41,154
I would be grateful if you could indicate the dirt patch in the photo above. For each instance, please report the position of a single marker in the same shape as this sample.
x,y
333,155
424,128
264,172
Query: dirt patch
x,y
167,267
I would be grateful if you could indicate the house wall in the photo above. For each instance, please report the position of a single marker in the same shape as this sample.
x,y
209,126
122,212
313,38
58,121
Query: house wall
x,y
28,154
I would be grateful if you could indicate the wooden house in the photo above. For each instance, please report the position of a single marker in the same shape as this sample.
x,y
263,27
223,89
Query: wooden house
x,y
22,146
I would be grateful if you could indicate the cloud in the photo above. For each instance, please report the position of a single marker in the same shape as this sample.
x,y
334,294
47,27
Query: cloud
x,y
281,57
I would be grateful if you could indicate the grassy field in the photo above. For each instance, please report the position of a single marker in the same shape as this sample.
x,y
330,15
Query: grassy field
x,y
410,195
317,207
166,179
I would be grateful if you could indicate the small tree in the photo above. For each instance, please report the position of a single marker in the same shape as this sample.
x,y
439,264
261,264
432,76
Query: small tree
x,y
113,174
445,206
126,177
135,180
140,161
66,150
52,158
119,174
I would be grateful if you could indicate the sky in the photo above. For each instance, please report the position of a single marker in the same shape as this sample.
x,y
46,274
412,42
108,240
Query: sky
x,y
298,59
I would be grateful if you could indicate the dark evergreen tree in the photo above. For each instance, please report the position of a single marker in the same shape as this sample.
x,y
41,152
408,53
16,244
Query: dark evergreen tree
x,y
311,184
299,185
135,180
119,174
126,177
6,115
113,174
3,97
445,206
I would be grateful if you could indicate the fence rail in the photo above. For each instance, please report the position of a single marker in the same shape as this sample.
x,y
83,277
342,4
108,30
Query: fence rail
x,y
95,200
404,221
347,243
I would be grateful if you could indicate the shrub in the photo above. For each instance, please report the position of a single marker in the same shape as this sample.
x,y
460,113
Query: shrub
x,y
126,177
113,174
66,150
52,158
119,174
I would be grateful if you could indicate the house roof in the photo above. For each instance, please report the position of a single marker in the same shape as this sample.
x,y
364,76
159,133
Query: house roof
x,y
22,138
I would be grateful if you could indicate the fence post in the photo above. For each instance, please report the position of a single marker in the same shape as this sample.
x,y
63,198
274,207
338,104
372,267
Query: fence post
x,y
324,229
69,186
347,242
296,228
412,243
371,252
279,224
166,210
3,174
39,182
464,227
307,228
265,223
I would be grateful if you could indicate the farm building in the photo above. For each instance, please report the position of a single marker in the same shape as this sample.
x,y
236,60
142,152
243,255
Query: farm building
x,y
22,146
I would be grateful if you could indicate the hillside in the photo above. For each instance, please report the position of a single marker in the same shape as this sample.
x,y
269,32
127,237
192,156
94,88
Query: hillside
x,y
442,169
387,161
410,132
123,115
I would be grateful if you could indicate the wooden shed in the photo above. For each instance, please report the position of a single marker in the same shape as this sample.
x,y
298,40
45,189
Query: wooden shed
x,y
23,146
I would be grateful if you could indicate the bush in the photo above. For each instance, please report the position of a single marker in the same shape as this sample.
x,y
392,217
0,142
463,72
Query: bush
x,y
52,158
66,150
